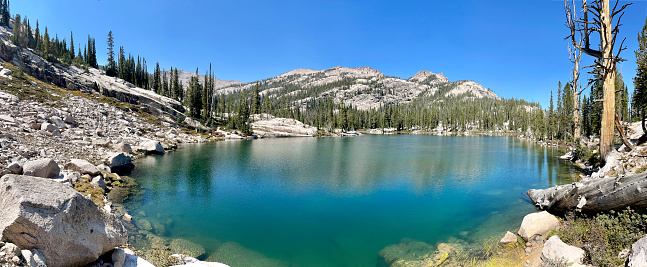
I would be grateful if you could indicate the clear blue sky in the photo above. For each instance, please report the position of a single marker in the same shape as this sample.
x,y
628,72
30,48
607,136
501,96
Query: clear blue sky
x,y
514,47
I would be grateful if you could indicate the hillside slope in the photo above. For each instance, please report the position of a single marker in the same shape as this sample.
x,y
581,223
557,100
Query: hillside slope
x,y
363,88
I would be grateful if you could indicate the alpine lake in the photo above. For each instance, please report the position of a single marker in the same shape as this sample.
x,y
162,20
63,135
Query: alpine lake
x,y
335,201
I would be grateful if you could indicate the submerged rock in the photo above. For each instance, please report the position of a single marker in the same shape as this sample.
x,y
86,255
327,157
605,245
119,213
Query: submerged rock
x,y
232,253
71,230
186,247
406,250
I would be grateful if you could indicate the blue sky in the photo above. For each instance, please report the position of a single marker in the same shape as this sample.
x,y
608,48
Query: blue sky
x,y
515,48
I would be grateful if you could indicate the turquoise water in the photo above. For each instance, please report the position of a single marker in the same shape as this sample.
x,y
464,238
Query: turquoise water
x,y
339,201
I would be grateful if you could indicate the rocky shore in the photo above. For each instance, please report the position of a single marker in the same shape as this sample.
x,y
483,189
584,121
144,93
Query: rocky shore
x,y
61,153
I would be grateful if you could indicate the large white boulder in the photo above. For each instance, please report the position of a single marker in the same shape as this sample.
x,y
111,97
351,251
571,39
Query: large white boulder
x,y
538,223
82,166
151,147
638,256
45,168
68,228
119,160
556,250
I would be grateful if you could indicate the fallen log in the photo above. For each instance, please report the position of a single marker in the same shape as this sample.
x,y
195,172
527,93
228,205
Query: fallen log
x,y
603,194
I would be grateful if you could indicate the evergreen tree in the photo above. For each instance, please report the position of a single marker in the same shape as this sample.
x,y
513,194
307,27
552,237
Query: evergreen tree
x,y
177,87
112,66
121,67
157,79
17,36
256,106
639,101
595,104
5,13
72,44
46,43
193,99
39,43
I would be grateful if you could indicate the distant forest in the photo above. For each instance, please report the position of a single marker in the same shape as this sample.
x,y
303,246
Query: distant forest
x,y
233,110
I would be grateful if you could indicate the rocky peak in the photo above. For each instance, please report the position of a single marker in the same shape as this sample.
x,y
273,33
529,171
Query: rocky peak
x,y
471,87
428,76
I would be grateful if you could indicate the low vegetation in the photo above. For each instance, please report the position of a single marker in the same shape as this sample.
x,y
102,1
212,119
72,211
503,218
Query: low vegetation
x,y
603,236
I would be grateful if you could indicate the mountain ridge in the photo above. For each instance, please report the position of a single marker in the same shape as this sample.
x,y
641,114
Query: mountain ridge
x,y
363,87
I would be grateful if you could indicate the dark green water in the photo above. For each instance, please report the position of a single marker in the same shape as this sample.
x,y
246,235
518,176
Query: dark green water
x,y
339,201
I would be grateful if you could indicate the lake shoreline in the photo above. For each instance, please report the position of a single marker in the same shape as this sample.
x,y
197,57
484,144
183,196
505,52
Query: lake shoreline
x,y
182,147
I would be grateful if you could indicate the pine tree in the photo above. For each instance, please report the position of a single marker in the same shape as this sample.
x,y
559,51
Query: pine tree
x,y
639,101
17,36
112,66
5,13
157,78
177,87
72,44
256,106
193,98
46,43
121,67
31,43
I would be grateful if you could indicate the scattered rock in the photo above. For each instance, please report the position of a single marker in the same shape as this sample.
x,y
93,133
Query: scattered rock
x,y
123,147
15,167
48,127
127,217
118,258
101,142
38,258
69,119
11,250
104,167
83,167
40,213
509,238
538,223
58,122
99,182
556,251
133,261
638,256
45,168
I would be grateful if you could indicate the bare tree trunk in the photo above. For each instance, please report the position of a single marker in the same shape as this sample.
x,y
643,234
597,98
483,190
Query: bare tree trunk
x,y
576,98
612,193
608,70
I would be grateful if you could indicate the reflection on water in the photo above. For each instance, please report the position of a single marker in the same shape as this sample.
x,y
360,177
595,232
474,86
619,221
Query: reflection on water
x,y
339,201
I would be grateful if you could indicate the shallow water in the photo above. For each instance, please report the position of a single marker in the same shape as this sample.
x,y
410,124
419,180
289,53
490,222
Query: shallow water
x,y
339,201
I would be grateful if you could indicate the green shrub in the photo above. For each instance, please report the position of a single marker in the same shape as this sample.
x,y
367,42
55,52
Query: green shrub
x,y
604,235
